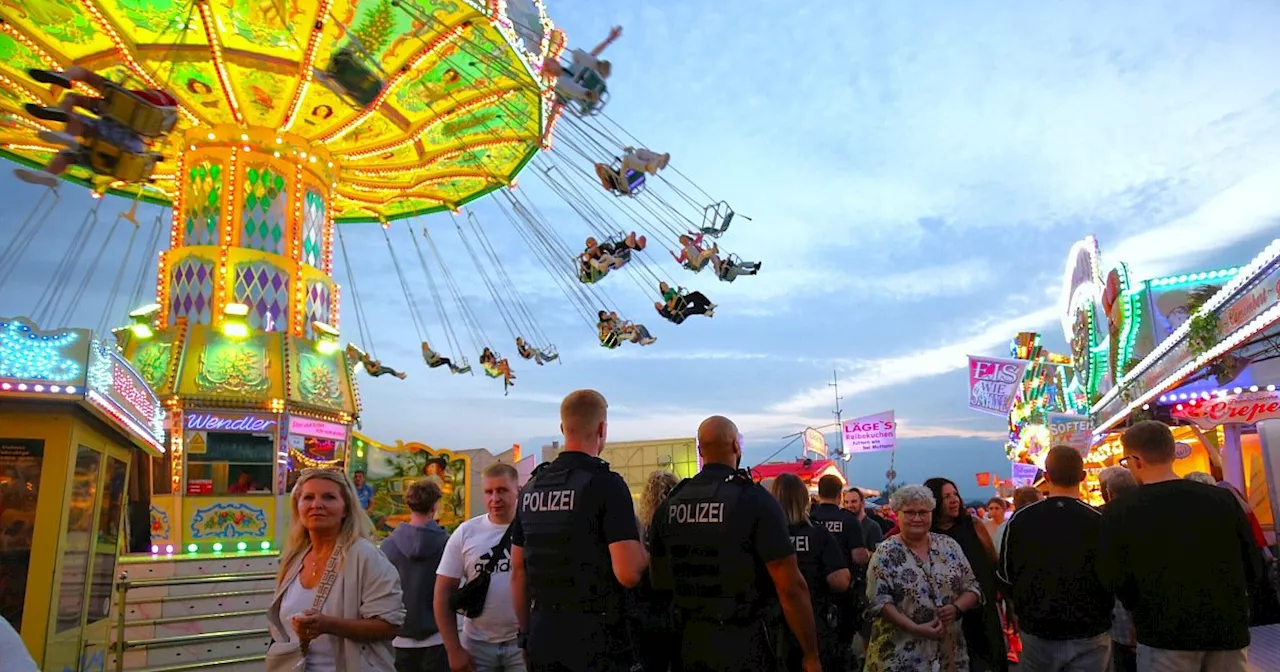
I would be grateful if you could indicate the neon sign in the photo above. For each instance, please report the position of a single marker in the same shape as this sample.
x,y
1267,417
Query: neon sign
x,y
218,422
317,428
29,354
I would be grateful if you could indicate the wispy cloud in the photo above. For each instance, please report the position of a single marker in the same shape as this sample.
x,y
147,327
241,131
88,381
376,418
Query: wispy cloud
x,y
923,362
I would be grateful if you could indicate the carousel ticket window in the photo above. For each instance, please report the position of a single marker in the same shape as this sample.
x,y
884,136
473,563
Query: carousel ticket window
x,y
20,464
232,464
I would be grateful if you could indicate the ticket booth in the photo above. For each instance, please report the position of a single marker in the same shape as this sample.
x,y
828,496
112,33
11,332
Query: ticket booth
x,y
77,428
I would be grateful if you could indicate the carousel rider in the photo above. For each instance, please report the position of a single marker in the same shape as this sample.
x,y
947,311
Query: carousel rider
x,y
643,160
729,270
372,366
434,360
568,89
693,256
677,305
494,367
106,129
629,331
536,354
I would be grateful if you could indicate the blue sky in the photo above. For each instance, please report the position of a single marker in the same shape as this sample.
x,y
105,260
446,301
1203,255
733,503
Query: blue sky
x,y
916,172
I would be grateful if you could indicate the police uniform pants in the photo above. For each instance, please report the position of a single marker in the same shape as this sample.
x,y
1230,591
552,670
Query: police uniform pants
x,y
708,646
568,641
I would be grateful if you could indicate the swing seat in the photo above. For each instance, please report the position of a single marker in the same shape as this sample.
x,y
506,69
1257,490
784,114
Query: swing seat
x,y
356,79
492,371
611,340
634,179
591,275
142,117
595,84
716,219
108,160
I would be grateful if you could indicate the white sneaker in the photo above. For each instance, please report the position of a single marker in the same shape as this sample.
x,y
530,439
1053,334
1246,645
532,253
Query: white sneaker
x,y
54,137
648,341
36,177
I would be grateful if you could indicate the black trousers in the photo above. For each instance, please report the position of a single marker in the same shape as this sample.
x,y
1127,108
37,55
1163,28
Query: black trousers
x,y
707,646
567,641
426,659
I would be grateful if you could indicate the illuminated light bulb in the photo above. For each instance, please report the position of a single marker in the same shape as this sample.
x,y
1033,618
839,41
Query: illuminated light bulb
x,y
191,548
212,136
217,547
302,154
265,545
1253,388
22,387
55,388
1146,407
168,549
241,546
191,147
154,549
244,136
276,154
39,388
278,141
71,389
1238,390
246,148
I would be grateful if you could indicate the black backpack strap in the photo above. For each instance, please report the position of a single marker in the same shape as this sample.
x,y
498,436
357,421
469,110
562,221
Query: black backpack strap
x,y
495,554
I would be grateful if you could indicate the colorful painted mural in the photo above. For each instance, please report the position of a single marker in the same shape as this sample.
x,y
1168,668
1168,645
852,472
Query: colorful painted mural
x,y
391,469
228,520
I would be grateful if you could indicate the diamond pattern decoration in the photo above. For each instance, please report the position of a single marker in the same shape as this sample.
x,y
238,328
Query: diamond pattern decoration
x,y
264,287
202,207
191,291
317,306
312,229
263,214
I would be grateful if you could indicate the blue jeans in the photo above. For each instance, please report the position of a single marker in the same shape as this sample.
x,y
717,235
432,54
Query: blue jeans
x,y
499,657
1090,654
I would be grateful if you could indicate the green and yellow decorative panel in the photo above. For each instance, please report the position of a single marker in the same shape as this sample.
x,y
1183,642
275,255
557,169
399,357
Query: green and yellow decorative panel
x,y
153,358
262,212
247,369
427,55
313,222
202,205
318,380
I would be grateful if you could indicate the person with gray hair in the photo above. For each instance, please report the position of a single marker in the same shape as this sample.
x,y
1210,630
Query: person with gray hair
x,y
1200,477
919,586
1115,480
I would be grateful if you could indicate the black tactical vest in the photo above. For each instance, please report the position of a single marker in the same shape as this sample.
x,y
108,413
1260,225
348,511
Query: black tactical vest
x,y
707,535
567,562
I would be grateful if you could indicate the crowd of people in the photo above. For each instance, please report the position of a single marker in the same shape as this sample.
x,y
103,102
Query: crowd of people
x,y
718,572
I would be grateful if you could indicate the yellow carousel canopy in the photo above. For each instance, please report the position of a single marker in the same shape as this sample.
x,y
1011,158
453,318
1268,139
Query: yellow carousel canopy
x,y
457,109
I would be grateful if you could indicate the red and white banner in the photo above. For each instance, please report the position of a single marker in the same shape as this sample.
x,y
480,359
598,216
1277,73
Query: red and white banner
x,y
983,478
1246,408
993,382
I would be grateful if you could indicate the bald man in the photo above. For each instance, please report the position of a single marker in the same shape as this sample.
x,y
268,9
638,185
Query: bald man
x,y
721,547
575,548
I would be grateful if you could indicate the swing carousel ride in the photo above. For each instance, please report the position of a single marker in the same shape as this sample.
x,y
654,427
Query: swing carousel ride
x,y
272,129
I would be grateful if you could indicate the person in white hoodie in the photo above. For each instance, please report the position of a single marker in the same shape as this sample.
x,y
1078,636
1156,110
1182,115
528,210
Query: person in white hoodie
x,y
415,548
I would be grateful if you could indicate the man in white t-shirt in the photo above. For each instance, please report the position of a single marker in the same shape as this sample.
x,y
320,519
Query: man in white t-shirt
x,y
13,653
489,641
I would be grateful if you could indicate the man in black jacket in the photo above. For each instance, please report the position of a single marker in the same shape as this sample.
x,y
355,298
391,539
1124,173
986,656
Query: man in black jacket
x,y
1048,567
415,549
1181,557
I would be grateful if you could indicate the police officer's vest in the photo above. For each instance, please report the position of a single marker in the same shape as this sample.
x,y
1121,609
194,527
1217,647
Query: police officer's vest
x,y
707,534
567,563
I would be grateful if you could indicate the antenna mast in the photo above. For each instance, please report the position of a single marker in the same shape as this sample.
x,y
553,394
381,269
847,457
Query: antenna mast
x,y
835,383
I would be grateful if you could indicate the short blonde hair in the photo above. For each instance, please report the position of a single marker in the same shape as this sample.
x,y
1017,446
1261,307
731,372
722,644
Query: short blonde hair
x,y
581,411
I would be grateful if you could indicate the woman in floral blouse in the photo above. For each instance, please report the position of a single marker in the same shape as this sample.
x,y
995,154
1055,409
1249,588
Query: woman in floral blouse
x,y
919,585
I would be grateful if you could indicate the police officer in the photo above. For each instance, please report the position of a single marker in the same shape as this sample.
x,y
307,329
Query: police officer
x,y
824,567
847,529
720,544
575,547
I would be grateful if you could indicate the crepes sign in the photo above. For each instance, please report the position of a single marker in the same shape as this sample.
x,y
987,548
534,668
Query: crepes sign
x,y
1246,408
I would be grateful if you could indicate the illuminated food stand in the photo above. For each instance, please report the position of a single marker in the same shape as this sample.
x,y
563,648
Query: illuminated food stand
x,y
78,428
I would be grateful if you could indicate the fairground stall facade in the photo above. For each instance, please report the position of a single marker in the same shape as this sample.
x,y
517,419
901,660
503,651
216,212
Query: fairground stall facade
x,y
1200,351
